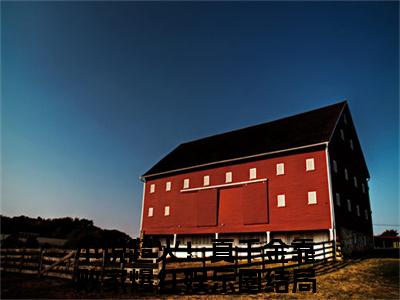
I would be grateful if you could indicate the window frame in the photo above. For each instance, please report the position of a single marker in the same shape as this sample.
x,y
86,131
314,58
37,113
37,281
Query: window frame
x,y
335,167
252,173
312,198
281,200
228,177
310,162
186,183
337,199
150,212
167,211
280,169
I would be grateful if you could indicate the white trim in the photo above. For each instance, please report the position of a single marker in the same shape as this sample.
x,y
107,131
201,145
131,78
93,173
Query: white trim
x,y
239,158
141,216
328,171
268,236
223,185
174,241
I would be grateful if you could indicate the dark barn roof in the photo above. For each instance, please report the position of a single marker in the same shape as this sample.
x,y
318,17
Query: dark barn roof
x,y
304,129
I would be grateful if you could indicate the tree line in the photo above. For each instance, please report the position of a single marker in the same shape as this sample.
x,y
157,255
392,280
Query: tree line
x,y
77,232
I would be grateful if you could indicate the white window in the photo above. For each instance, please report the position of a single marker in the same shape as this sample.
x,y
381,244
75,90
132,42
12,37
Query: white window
x,y
150,212
335,166
363,187
280,169
358,210
355,181
310,164
228,177
351,145
348,205
253,173
366,214
337,199
281,201
312,197
152,188
166,211
186,183
206,180
168,186
346,174
342,134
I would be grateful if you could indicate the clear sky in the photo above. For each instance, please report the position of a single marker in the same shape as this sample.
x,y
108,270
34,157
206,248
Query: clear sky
x,y
95,93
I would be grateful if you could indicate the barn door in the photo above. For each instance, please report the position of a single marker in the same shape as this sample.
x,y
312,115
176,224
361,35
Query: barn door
x,y
243,205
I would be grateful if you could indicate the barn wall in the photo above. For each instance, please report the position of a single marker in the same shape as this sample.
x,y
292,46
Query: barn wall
x,y
346,154
198,212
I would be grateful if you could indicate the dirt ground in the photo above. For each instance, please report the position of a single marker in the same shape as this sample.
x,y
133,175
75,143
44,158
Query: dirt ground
x,y
375,278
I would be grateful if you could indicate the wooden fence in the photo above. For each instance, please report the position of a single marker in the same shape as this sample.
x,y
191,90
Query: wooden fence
x,y
168,268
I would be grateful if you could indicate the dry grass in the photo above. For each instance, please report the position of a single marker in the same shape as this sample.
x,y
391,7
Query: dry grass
x,y
375,278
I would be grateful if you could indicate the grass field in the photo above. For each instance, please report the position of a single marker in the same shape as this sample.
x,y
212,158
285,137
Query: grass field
x,y
374,278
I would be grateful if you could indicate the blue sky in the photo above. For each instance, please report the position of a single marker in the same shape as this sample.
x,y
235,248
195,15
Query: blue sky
x,y
95,93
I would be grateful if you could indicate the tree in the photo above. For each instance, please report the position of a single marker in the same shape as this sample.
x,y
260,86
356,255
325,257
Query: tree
x,y
390,232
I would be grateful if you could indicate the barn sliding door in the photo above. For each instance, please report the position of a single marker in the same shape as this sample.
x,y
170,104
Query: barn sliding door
x,y
243,205
255,203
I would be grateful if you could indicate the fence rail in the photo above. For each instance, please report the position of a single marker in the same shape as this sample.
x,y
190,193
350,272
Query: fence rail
x,y
168,267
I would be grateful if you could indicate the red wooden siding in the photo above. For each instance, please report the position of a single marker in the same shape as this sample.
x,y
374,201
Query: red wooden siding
x,y
230,207
207,207
254,203
243,208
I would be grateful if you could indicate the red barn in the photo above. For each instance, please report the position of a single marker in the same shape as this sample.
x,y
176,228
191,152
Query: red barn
x,y
301,176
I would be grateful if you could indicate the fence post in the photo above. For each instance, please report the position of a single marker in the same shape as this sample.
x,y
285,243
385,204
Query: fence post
x,y
203,252
76,264
262,259
22,260
323,249
103,264
236,260
40,260
334,249
5,260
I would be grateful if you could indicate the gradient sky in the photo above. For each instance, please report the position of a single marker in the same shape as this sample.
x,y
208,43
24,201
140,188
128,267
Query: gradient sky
x,y
95,93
